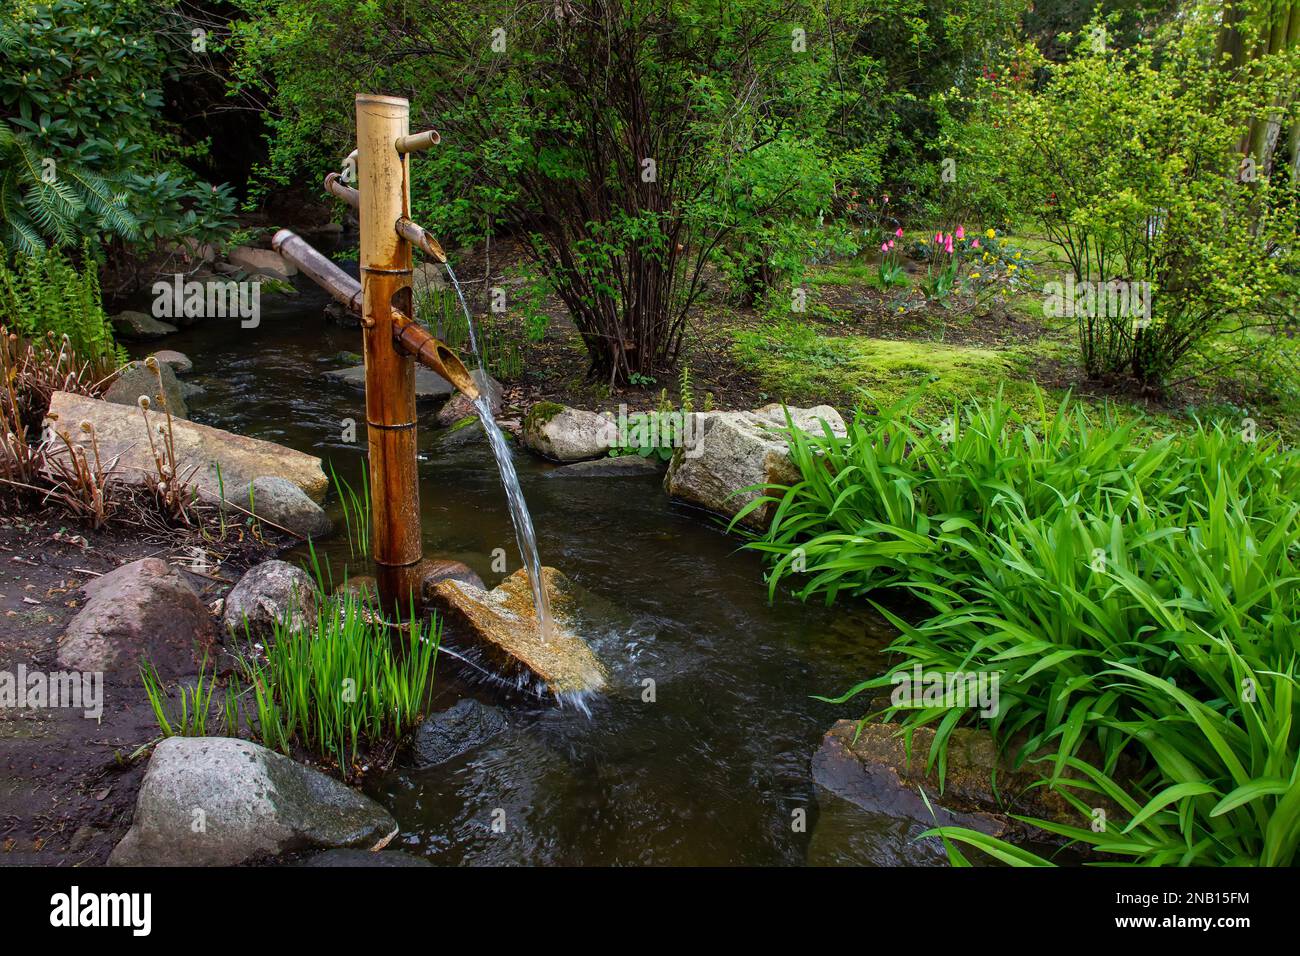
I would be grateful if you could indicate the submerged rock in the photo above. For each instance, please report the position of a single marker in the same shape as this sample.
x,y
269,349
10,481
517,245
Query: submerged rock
x,y
567,434
619,467
136,379
281,502
731,451
434,570
467,431
254,804
464,727
428,384
459,407
350,858
340,314
144,609
139,326
872,769
502,623
180,362
200,450
268,594
265,261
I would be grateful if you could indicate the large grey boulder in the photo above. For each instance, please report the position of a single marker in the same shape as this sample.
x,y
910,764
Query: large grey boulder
x,y
268,594
730,451
134,326
568,434
216,461
136,379
428,277
465,727
218,801
141,610
282,503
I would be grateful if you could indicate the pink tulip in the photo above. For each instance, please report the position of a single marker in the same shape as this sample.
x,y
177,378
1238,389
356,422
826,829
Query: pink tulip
x,y
975,244
938,238
899,233
961,233
891,243
884,247
948,247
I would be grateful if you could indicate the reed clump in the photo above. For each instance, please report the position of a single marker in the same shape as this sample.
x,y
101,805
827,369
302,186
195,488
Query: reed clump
x,y
1135,591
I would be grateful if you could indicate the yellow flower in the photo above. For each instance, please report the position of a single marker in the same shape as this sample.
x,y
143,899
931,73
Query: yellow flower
x,y
974,275
1016,256
990,232
1011,268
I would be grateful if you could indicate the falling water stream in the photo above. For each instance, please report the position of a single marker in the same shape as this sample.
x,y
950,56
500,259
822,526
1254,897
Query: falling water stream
x,y
519,516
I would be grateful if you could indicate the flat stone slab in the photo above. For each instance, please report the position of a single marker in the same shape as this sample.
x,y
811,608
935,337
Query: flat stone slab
x,y
428,384
620,467
503,625
873,770
120,433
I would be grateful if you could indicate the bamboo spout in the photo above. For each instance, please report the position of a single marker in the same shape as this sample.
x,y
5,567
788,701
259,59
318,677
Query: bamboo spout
x,y
412,338
416,234
408,335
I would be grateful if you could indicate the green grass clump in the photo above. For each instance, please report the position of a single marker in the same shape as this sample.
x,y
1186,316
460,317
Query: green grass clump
x,y
346,679
1135,591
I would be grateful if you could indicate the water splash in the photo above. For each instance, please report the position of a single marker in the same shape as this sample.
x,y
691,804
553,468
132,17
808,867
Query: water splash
x,y
525,536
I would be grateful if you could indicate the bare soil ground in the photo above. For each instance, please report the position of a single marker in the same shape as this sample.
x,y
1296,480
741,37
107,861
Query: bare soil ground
x,y
68,783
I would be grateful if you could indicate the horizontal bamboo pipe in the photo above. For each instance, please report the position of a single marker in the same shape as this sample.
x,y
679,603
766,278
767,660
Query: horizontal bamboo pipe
x,y
335,186
341,286
417,235
417,142
407,333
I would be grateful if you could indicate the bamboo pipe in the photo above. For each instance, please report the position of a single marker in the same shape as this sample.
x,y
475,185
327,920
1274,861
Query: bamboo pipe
x,y
341,286
407,333
417,142
416,234
335,186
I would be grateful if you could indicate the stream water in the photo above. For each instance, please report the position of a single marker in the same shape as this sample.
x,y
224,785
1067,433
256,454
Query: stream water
x,y
699,753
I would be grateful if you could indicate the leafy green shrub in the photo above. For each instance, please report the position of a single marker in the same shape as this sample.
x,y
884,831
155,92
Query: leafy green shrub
x,y
1135,591
84,150
46,293
1131,160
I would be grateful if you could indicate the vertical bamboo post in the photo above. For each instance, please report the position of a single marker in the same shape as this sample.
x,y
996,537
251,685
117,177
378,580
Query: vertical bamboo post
x,y
390,373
